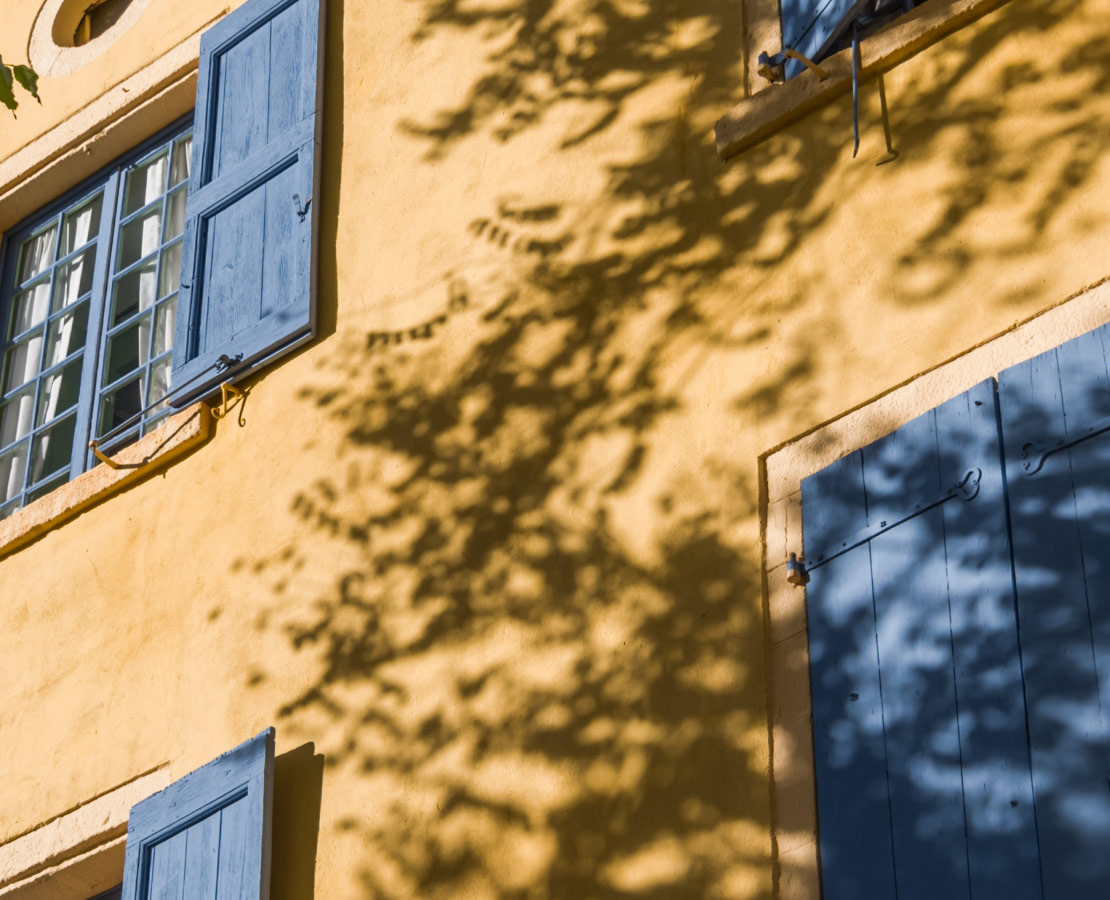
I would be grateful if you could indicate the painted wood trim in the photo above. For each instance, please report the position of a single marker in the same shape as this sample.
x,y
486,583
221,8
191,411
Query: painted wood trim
x,y
239,783
765,112
790,730
178,436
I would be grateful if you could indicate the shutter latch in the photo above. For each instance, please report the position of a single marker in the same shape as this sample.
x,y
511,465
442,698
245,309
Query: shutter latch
x,y
302,209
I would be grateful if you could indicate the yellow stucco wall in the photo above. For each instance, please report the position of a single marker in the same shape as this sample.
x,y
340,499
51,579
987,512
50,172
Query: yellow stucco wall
x,y
492,541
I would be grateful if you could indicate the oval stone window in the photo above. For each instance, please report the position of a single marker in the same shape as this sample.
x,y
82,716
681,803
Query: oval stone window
x,y
70,33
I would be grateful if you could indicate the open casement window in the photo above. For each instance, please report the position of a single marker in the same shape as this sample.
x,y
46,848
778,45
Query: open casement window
x,y
206,836
188,262
959,630
818,28
248,274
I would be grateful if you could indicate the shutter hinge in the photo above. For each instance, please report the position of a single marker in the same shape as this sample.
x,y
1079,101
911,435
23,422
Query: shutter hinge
x,y
966,489
1034,453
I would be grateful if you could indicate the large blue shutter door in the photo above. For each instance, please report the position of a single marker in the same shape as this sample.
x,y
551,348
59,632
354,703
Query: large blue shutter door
x,y
248,271
809,26
1061,532
919,733
206,836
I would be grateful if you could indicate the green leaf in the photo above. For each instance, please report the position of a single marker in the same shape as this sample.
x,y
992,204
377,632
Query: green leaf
x,y
29,78
6,95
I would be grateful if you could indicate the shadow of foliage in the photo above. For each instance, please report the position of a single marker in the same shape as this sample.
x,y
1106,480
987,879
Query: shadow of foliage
x,y
537,623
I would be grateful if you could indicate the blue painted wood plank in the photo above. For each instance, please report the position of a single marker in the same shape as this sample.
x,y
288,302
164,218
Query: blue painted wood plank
x,y
167,868
997,785
242,117
853,808
913,627
810,26
236,839
284,269
233,278
286,65
248,287
1067,730
932,745
202,854
237,787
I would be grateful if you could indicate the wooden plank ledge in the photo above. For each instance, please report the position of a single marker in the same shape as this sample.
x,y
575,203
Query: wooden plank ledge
x,y
765,113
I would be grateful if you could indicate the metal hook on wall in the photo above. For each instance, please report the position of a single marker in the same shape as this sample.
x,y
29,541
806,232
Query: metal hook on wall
x,y
227,390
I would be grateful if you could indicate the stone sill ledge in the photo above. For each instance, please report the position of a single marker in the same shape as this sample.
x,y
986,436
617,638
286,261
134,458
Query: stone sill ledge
x,y
179,435
763,114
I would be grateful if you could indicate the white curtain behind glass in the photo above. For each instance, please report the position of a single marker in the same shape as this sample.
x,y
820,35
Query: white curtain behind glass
x,y
78,230
22,363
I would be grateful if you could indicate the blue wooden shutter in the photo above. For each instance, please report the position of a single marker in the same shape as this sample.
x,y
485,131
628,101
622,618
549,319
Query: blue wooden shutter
x,y
1060,511
206,836
248,272
923,783
810,26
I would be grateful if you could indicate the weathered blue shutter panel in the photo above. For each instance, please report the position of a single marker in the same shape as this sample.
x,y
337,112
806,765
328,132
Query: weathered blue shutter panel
x,y
1060,512
248,272
923,781
206,836
810,26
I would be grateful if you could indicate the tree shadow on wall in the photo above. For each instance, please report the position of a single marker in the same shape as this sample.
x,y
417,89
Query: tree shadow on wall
x,y
542,644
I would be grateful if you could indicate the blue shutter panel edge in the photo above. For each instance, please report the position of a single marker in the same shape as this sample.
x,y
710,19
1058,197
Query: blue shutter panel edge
x,y
207,835
923,783
810,26
248,284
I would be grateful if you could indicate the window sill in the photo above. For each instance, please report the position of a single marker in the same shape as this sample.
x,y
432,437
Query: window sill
x,y
763,114
76,854
179,435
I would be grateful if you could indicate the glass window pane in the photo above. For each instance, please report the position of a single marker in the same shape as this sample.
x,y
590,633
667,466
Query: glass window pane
x,y
171,270
182,152
81,225
145,184
15,418
140,238
127,350
67,334
120,405
59,392
175,215
36,255
164,327
22,362
74,279
135,291
13,468
52,449
30,307
6,511
159,382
